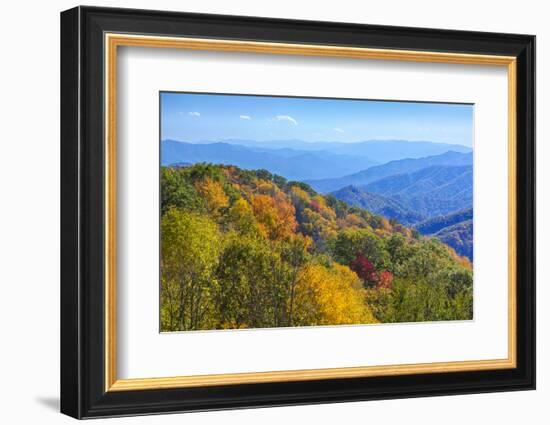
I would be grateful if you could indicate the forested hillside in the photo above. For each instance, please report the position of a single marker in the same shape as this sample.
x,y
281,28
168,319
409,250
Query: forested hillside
x,y
459,236
378,204
455,229
434,225
249,249
430,191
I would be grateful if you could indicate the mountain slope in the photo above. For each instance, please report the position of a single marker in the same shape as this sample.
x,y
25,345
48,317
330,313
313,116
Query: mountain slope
x,y
459,236
430,191
290,163
402,166
378,204
391,150
435,224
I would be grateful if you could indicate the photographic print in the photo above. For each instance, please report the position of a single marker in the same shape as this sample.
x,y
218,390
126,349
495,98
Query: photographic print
x,y
281,211
310,211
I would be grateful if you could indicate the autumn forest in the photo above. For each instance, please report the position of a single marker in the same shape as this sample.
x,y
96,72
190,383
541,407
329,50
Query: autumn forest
x,y
250,249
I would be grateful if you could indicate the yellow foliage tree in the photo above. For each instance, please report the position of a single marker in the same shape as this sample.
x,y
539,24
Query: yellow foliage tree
x,y
266,188
319,205
190,247
330,296
385,225
352,220
299,195
241,216
317,226
213,194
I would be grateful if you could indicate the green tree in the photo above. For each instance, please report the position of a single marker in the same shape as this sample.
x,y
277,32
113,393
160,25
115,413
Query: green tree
x,y
409,302
294,252
351,242
241,217
177,191
399,250
190,246
252,284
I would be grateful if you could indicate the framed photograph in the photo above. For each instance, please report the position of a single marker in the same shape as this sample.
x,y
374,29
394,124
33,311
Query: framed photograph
x,y
261,212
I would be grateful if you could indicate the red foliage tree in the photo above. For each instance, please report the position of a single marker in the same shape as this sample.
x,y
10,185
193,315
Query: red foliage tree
x,y
364,269
314,205
385,279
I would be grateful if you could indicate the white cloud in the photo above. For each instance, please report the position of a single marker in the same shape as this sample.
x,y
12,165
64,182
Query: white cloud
x,y
286,118
195,114
245,117
338,130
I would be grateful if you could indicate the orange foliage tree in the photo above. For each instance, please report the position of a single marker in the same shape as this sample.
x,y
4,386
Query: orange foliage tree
x,y
275,215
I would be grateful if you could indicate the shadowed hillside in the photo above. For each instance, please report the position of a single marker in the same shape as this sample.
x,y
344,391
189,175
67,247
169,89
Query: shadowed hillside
x,y
378,204
456,230
431,191
434,225
459,236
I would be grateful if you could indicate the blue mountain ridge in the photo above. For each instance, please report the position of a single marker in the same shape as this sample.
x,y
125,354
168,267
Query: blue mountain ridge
x,y
289,163
381,151
391,168
431,191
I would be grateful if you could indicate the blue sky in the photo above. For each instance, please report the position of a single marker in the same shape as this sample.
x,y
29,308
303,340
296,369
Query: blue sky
x,y
195,117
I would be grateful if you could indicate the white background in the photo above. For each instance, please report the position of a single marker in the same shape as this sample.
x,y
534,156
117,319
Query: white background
x,y
29,225
143,72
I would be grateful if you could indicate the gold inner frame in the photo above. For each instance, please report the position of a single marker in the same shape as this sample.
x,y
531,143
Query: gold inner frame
x,y
113,41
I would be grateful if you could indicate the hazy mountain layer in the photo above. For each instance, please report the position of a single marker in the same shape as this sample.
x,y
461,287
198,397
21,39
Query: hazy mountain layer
x,y
377,150
392,168
290,163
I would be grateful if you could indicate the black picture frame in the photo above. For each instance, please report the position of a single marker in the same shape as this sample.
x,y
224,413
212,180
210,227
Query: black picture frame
x,y
82,218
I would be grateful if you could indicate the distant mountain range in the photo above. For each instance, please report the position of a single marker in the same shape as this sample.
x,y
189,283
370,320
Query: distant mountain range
x,y
299,160
391,168
380,151
290,163
410,190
